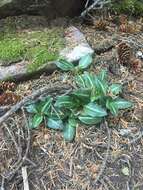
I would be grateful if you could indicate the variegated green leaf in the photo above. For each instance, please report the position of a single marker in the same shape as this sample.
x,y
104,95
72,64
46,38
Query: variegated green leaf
x,y
36,121
31,108
103,75
122,104
65,102
115,89
69,131
55,123
85,61
94,110
101,86
64,65
83,95
80,81
112,107
90,120
46,107
89,80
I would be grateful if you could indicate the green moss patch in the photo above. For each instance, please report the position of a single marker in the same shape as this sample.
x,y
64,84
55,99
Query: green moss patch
x,y
39,56
132,7
11,50
36,46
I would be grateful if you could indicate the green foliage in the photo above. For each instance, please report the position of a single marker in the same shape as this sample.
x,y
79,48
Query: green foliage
x,y
38,47
70,130
64,65
132,7
42,46
39,56
92,101
55,123
84,63
40,110
11,50
115,89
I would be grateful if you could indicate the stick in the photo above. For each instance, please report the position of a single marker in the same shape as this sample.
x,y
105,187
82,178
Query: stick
x,y
21,159
103,166
2,184
31,97
25,178
89,8
93,5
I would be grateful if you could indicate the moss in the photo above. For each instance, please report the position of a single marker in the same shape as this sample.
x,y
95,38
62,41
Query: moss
x,y
11,50
8,78
131,7
38,47
39,56
51,39
43,47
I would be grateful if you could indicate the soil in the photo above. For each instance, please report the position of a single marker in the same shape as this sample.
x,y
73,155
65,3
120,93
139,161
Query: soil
x,y
100,158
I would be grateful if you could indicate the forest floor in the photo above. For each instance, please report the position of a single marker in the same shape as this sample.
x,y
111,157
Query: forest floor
x,y
98,159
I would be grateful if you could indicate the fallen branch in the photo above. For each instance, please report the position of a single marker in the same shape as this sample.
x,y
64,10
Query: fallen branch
x,y
31,97
4,109
19,71
103,166
97,4
21,158
25,178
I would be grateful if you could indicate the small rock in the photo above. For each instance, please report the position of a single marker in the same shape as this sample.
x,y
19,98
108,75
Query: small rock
x,y
125,132
139,54
126,171
76,45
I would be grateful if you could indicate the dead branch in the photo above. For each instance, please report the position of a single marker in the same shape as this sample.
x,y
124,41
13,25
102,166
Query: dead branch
x,y
44,90
97,4
103,166
21,159
25,178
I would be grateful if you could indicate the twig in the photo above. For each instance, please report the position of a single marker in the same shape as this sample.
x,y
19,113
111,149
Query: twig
x,y
4,109
25,178
106,157
90,8
136,139
20,162
99,3
2,184
30,98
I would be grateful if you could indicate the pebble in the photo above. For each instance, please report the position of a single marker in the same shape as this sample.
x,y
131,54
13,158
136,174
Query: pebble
x,y
139,54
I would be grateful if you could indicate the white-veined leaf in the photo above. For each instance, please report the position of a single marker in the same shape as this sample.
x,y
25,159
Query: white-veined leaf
x,y
112,107
103,75
64,65
115,89
69,131
85,61
80,81
90,120
55,124
122,104
94,110
89,80
83,95
101,86
65,102
47,105
36,121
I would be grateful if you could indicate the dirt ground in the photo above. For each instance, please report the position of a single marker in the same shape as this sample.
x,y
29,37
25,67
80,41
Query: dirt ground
x,y
100,158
